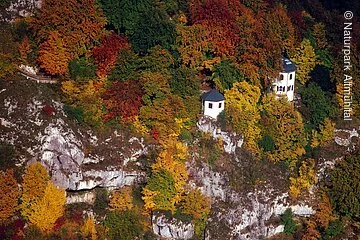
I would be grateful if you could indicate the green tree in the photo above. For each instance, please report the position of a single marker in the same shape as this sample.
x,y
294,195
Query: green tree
x,y
344,186
145,22
123,225
226,74
82,68
160,191
288,221
101,201
318,103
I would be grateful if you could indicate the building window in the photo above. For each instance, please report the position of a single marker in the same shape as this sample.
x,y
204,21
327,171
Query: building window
x,y
292,87
291,76
277,88
210,105
220,105
281,77
289,88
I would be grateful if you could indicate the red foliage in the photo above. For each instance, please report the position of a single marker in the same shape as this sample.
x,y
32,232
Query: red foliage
x,y
59,223
219,18
48,110
12,230
155,134
105,55
123,99
298,21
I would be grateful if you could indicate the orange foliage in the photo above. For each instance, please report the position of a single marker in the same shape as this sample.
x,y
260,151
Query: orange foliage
x,y
219,19
9,194
24,49
79,23
53,56
123,99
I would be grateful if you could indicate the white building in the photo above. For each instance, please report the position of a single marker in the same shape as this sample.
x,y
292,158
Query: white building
x,y
213,103
284,85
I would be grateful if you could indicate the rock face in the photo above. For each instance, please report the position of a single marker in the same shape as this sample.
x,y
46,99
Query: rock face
x,y
172,229
231,140
76,158
242,214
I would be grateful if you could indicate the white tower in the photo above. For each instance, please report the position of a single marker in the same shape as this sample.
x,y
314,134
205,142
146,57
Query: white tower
x,y
213,103
284,85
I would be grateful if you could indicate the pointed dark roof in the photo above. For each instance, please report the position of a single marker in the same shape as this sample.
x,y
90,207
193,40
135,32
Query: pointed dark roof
x,y
213,96
288,65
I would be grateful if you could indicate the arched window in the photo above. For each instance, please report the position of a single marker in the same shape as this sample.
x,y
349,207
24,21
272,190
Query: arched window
x,y
281,77
291,76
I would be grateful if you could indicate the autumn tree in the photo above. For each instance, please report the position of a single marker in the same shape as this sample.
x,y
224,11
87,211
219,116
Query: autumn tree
x,y
324,212
310,233
34,183
105,55
282,122
45,211
121,200
306,178
79,24
194,203
219,20
24,49
192,44
88,97
305,59
42,202
166,184
242,112
9,194
53,55
325,135
88,229
160,192
123,99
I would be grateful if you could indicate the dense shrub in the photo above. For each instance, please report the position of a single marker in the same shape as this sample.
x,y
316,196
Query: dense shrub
x,y
289,223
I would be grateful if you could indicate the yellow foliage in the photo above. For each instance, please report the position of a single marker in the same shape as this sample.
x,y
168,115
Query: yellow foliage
x,y
139,126
35,181
171,159
45,211
327,131
192,44
325,135
305,59
121,200
315,139
285,125
88,97
88,229
196,204
307,177
241,109
148,196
